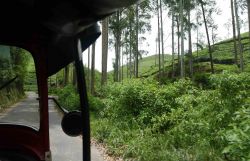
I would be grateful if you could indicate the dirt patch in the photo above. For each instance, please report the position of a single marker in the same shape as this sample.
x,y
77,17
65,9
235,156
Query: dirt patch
x,y
102,148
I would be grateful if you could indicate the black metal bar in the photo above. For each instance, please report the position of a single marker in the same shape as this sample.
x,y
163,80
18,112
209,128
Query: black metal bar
x,y
58,105
83,101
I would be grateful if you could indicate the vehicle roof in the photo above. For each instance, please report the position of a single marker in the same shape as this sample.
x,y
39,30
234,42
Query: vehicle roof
x,y
54,25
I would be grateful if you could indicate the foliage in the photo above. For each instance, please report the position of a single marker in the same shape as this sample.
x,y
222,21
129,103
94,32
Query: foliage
x,y
69,99
13,63
143,119
238,136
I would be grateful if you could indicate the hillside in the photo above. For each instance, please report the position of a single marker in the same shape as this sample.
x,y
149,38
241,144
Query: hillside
x,y
147,66
204,119
223,57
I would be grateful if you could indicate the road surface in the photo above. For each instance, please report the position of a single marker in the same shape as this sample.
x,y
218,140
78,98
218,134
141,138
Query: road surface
x,y
63,147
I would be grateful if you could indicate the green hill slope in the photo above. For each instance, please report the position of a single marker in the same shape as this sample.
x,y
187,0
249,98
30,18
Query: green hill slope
x,y
223,57
148,66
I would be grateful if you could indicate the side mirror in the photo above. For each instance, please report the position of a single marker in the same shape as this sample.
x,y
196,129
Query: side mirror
x,y
71,123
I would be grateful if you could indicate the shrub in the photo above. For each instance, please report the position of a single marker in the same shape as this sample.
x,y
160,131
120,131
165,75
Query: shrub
x,y
142,119
69,98
238,136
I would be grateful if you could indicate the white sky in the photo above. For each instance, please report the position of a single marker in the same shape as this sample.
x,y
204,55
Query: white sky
x,y
150,45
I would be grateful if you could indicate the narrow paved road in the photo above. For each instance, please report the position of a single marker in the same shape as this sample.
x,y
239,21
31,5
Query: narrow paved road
x,y
63,147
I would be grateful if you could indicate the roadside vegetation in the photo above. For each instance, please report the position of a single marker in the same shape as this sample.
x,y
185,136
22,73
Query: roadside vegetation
x,y
14,65
204,118
144,120
188,105
191,105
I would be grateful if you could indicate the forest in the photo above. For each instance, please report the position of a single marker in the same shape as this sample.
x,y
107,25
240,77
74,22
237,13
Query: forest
x,y
190,103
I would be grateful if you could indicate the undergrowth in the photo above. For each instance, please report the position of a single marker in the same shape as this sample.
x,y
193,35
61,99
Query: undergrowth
x,y
181,121
143,120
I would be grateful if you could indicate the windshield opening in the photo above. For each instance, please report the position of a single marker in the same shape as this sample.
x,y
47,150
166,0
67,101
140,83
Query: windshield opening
x,y
18,87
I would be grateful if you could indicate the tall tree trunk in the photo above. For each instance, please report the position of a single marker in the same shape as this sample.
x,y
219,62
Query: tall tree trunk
x,y
104,51
92,87
208,39
89,70
130,63
66,75
137,42
117,49
74,81
134,65
182,39
178,38
130,49
239,36
122,67
190,51
173,54
197,37
127,66
119,61
162,40
248,8
156,46
234,34
159,42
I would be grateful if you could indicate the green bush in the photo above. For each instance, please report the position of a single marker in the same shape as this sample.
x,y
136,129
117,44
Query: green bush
x,y
238,136
202,79
95,103
178,121
69,98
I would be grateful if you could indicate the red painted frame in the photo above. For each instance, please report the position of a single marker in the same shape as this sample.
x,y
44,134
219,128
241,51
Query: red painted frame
x,y
26,140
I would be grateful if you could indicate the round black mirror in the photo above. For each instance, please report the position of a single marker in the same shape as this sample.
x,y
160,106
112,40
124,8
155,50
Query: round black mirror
x,y
71,123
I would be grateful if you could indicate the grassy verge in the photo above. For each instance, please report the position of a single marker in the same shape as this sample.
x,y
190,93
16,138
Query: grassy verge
x,y
9,97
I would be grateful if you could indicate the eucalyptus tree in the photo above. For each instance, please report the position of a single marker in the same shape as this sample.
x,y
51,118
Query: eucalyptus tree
x,y
234,33
180,14
211,23
130,38
177,15
92,82
117,24
89,70
248,9
162,35
137,42
104,50
198,24
143,22
190,51
126,52
159,37
173,40
66,75
181,5
239,36
212,4
136,19
190,5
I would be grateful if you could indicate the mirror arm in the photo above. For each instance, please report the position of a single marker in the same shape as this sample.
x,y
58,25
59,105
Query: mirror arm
x,y
82,89
58,105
